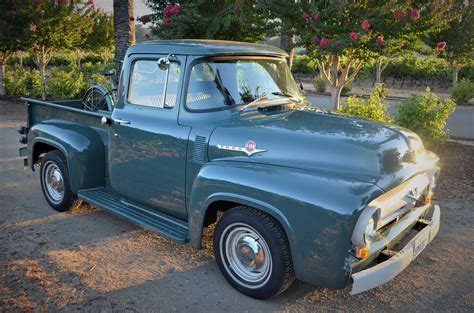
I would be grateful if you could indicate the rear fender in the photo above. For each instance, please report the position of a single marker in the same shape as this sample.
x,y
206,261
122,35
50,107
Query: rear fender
x,y
82,146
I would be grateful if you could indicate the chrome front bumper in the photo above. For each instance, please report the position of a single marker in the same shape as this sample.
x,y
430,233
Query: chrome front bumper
x,y
387,270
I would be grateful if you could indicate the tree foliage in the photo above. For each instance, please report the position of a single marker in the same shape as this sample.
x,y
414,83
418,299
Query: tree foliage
x,y
455,41
342,35
230,20
54,25
13,33
101,38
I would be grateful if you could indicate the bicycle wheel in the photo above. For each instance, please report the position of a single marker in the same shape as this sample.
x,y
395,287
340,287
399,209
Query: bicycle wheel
x,y
95,99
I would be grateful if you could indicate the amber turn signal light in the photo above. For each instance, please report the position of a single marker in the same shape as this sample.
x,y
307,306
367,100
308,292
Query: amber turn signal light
x,y
427,198
362,252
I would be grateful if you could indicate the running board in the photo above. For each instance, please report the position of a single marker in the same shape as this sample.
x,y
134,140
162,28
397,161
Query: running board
x,y
160,223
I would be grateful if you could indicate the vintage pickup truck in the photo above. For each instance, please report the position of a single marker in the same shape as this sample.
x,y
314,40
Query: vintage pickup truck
x,y
208,132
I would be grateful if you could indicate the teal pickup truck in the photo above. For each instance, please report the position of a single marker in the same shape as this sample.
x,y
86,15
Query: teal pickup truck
x,y
208,132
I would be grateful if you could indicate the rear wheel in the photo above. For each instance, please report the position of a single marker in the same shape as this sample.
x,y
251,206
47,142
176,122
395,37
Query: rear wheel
x,y
253,253
55,183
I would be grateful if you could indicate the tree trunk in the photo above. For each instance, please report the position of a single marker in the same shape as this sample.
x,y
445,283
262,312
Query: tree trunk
x,y
335,98
378,71
124,30
2,80
42,68
455,76
287,44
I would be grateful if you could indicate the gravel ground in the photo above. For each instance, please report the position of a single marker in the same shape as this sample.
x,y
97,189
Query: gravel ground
x,y
90,260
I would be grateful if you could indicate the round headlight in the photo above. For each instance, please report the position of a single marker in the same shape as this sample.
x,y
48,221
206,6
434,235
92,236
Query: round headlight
x,y
370,230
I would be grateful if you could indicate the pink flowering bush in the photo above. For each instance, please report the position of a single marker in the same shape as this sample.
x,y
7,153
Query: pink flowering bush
x,y
414,13
169,11
315,40
365,24
379,40
306,16
398,14
324,42
144,19
353,36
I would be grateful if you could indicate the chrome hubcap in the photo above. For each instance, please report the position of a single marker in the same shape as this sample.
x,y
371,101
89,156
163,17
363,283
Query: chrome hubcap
x,y
54,182
247,255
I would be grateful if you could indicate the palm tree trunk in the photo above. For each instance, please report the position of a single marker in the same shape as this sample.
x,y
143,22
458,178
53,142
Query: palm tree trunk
x,y
124,30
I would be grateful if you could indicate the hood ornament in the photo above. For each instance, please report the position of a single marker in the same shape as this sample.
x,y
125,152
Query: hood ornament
x,y
250,148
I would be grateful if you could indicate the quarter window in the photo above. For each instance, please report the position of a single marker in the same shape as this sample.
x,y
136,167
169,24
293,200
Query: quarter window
x,y
147,84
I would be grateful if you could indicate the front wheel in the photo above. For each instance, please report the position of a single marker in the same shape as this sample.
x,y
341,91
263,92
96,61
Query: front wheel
x,y
253,253
55,183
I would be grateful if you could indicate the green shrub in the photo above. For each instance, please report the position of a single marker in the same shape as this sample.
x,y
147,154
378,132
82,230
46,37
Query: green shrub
x,y
426,115
374,108
415,67
92,74
303,64
463,92
65,84
22,82
346,89
319,84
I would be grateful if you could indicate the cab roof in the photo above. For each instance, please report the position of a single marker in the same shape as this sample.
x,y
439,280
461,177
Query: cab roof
x,y
205,48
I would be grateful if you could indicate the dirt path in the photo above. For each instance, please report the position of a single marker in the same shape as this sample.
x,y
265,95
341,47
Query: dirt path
x,y
89,260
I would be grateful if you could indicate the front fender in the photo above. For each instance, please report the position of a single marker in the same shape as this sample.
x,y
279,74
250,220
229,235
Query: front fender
x,y
317,210
82,146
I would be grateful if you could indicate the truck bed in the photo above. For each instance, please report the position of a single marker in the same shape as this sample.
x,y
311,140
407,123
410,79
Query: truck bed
x,y
70,110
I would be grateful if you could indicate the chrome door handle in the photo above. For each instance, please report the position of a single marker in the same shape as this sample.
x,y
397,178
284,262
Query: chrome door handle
x,y
120,121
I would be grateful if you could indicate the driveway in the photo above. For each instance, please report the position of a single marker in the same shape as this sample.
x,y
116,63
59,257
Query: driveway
x,y
89,260
460,123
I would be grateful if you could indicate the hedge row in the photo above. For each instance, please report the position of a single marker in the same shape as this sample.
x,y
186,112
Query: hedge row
x,y
59,59
62,82
403,67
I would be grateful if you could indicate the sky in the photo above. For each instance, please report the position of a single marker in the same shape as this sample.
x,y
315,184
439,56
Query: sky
x,y
140,6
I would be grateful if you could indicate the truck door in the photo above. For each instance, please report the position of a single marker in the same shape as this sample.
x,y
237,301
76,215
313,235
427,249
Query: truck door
x,y
147,146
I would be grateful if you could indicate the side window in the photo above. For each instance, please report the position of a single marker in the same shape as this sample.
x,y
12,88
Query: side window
x,y
147,84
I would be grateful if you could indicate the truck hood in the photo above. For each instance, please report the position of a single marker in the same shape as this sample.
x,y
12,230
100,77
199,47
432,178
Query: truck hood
x,y
314,140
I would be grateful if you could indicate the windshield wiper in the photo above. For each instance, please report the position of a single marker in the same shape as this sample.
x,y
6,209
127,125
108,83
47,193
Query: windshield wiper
x,y
287,95
252,103
220,86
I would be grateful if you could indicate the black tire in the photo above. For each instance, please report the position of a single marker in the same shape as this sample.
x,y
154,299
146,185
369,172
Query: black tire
x,y
271,237
54,165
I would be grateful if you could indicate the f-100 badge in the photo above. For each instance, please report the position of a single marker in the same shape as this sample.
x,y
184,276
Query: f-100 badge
x,y
250,148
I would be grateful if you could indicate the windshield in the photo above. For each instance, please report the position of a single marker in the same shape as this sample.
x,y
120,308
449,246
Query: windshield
x,y
221,83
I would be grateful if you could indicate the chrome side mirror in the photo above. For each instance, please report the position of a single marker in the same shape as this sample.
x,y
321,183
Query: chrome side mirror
x,y
164,63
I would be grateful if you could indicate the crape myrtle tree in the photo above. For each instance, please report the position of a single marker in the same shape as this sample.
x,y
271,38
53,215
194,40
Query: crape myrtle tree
x,y
342,35
249,21
455,42
13,33
55,25
101,39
